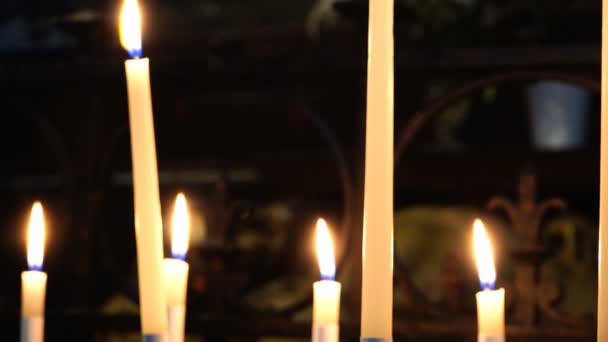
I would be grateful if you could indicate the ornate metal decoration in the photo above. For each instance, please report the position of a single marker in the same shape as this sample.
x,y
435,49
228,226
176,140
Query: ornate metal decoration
x,y
531,295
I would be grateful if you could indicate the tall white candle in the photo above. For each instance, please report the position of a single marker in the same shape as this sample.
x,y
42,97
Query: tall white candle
x,y
326,292
148,221
33,282
602,301
377,272
490,302
176,270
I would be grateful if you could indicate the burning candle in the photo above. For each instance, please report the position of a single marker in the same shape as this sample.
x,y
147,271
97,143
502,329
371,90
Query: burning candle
x,y
176,270
148,221
33,281
326,303
377,269
602,300
490,302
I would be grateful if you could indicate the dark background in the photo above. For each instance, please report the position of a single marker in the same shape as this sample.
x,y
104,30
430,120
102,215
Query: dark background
x,y
259,114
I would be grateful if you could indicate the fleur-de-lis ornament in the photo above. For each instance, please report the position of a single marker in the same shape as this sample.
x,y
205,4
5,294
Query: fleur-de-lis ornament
x,y
531,296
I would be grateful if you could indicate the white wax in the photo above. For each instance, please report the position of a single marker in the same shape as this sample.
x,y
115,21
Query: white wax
x,y
326,311
490,314
177,322
176,281
33,292
32,329
377,271
602,302
176,288
148,222
326,303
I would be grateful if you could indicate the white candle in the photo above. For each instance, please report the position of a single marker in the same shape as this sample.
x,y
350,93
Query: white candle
x,y
33,282
148,221
176,270
490,302
602,301
326,292
377,272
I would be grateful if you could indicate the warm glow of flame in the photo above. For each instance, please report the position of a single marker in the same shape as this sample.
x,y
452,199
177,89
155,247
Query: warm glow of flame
x,y
130,28
180,228
484,257
325,251
35,237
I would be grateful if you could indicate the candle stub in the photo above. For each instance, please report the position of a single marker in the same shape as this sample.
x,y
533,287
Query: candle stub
x,y
326,293
490,338
490,303
33,282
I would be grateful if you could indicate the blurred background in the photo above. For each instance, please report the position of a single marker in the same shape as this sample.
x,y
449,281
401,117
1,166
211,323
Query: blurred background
x,y
260,120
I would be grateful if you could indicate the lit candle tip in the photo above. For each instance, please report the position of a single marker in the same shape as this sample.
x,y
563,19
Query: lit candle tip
x,y
325,251
180,228
130,28
35,237
484,257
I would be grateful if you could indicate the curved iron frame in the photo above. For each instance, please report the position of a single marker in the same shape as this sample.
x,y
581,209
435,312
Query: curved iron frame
x,y
409,130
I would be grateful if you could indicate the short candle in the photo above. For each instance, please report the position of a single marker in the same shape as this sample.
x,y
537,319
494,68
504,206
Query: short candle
x,y
33,281
490,302
326,292
176,270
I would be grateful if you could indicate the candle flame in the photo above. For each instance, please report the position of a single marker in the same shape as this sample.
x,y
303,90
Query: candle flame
x,y
130,28
325,251
484,257
35,237
180,228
